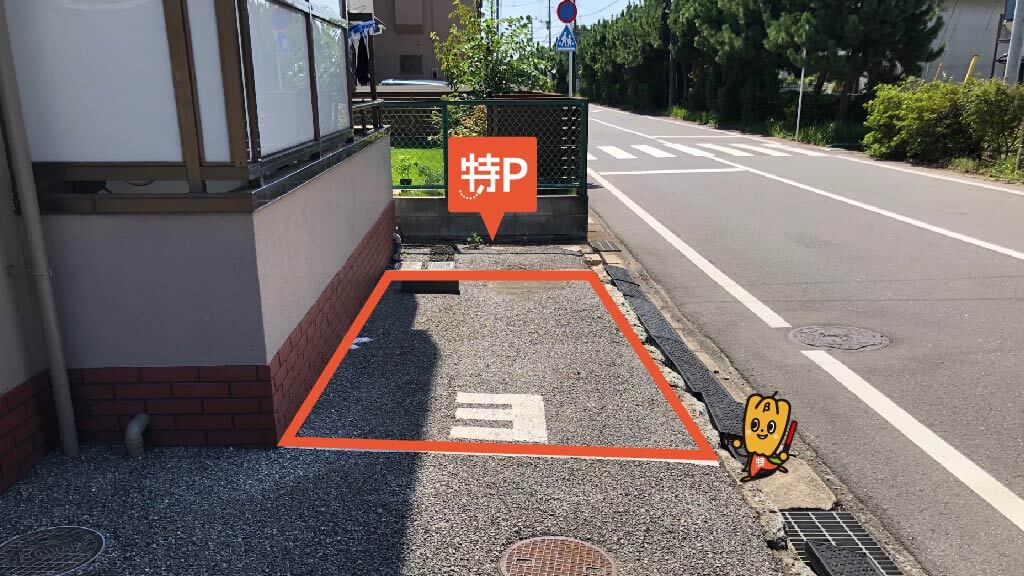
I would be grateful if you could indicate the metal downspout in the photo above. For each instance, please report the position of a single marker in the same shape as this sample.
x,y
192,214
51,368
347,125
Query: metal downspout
x,y
21,165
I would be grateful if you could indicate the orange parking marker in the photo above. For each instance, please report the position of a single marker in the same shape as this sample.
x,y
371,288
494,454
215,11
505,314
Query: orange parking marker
x,y
703,454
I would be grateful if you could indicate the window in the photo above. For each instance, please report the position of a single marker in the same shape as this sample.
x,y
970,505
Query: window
x,y
331,76
411,64
280,60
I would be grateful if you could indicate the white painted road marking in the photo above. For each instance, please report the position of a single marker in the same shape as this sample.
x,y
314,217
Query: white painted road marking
x,y
761,149
982,483
725,149
591,157
616,152
804,151
899,217
689,150
525,412
738,292
931,175
656,152
680,171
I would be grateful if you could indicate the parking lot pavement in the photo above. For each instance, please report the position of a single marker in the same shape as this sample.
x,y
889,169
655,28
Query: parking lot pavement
x,y
309,511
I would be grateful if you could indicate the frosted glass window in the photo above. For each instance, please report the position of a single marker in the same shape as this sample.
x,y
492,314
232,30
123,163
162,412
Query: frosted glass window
x,y
202,21
95,80
329,56
280,66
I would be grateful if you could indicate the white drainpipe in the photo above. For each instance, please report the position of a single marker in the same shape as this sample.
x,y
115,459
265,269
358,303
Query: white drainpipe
x,y
21,165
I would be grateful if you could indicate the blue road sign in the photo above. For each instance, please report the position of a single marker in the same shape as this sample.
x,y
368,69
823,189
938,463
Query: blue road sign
x,y
566,11
566,41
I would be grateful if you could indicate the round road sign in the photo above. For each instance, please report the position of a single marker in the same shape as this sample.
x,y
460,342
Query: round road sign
x,y
567,11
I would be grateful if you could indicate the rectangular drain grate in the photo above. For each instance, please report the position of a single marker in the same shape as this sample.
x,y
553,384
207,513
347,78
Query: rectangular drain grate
x,y
838,528
605,246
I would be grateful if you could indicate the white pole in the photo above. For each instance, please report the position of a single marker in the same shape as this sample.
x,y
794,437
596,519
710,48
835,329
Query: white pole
x,y
800,100
571,63
1016,43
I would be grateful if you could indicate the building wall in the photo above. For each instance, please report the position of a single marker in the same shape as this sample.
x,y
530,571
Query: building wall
x,y
970,28
320,251
409,35
26,414
156,289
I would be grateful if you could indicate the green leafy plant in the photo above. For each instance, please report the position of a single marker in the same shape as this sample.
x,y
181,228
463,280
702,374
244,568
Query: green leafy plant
x,y
487,56
404,166
474,240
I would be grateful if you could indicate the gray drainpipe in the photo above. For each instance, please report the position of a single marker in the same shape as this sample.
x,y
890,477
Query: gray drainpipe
x,y
21,164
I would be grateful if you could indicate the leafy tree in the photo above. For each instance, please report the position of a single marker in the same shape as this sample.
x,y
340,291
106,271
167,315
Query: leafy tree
x,y
844,40
477,58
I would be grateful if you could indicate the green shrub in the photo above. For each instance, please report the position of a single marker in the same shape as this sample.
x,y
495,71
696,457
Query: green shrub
x,y
922,121
885,116
994,112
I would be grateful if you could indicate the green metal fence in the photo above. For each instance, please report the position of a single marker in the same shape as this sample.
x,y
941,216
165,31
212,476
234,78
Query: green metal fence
x,y
420,130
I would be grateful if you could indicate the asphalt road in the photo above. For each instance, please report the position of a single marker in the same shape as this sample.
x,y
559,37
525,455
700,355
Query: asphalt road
x,y
750,240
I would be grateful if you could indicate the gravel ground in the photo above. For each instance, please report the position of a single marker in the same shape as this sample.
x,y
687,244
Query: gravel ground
x,y
212,511
554,339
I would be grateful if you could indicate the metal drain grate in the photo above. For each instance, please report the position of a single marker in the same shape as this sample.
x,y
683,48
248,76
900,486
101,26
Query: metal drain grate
x,y
50,552
840,529
556,556
605,246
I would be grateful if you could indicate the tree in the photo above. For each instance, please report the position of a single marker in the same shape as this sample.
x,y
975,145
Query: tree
x,y
882,39
476,58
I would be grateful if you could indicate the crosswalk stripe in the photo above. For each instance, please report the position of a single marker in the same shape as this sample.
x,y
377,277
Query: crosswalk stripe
x,y
616,152
760,149
803,151
688,150
656,152
725,149
591,157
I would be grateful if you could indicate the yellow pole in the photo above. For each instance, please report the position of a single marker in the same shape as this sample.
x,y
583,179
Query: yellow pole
x,y
970,68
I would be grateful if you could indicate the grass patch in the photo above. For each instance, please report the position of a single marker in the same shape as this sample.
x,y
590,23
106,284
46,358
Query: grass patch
x,y
423,166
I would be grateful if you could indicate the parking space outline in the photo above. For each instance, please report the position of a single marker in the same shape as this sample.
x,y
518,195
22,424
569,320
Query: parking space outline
x,y
702,454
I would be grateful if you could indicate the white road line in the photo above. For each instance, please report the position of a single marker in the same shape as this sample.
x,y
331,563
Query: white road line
x,y
703,136
738,292
616,152
525,412
689,150
761,149
931,175
656,152
591,157
682,171
973,476
804,151
725,149
898,217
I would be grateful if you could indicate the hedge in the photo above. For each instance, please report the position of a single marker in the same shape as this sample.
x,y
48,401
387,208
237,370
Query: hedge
x,y
940,121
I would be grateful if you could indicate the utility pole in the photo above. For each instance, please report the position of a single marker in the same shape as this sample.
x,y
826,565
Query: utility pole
x,y
549,24
1016,43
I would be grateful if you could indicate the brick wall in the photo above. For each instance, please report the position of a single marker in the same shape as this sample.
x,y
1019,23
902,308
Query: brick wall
x,y
296,366
233,405
27,428
198,405
187,405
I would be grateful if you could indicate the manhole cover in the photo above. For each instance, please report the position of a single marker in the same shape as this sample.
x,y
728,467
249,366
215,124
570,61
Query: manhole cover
x,y
839,338
50,552
556,556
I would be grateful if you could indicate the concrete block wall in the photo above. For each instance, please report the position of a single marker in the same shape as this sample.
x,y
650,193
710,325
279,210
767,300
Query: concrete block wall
x,y
558,219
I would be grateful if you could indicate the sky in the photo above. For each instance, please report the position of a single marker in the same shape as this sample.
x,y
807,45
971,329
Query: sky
x,y
590,11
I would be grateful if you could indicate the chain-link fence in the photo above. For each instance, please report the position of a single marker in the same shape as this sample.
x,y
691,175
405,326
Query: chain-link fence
x,y
420,130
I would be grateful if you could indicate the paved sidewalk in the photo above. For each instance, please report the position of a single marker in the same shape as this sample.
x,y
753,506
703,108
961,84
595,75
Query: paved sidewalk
x,y
307,511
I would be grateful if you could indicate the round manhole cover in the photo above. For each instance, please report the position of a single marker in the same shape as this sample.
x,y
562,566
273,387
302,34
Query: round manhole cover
x,y
839,338
556,556
50,552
